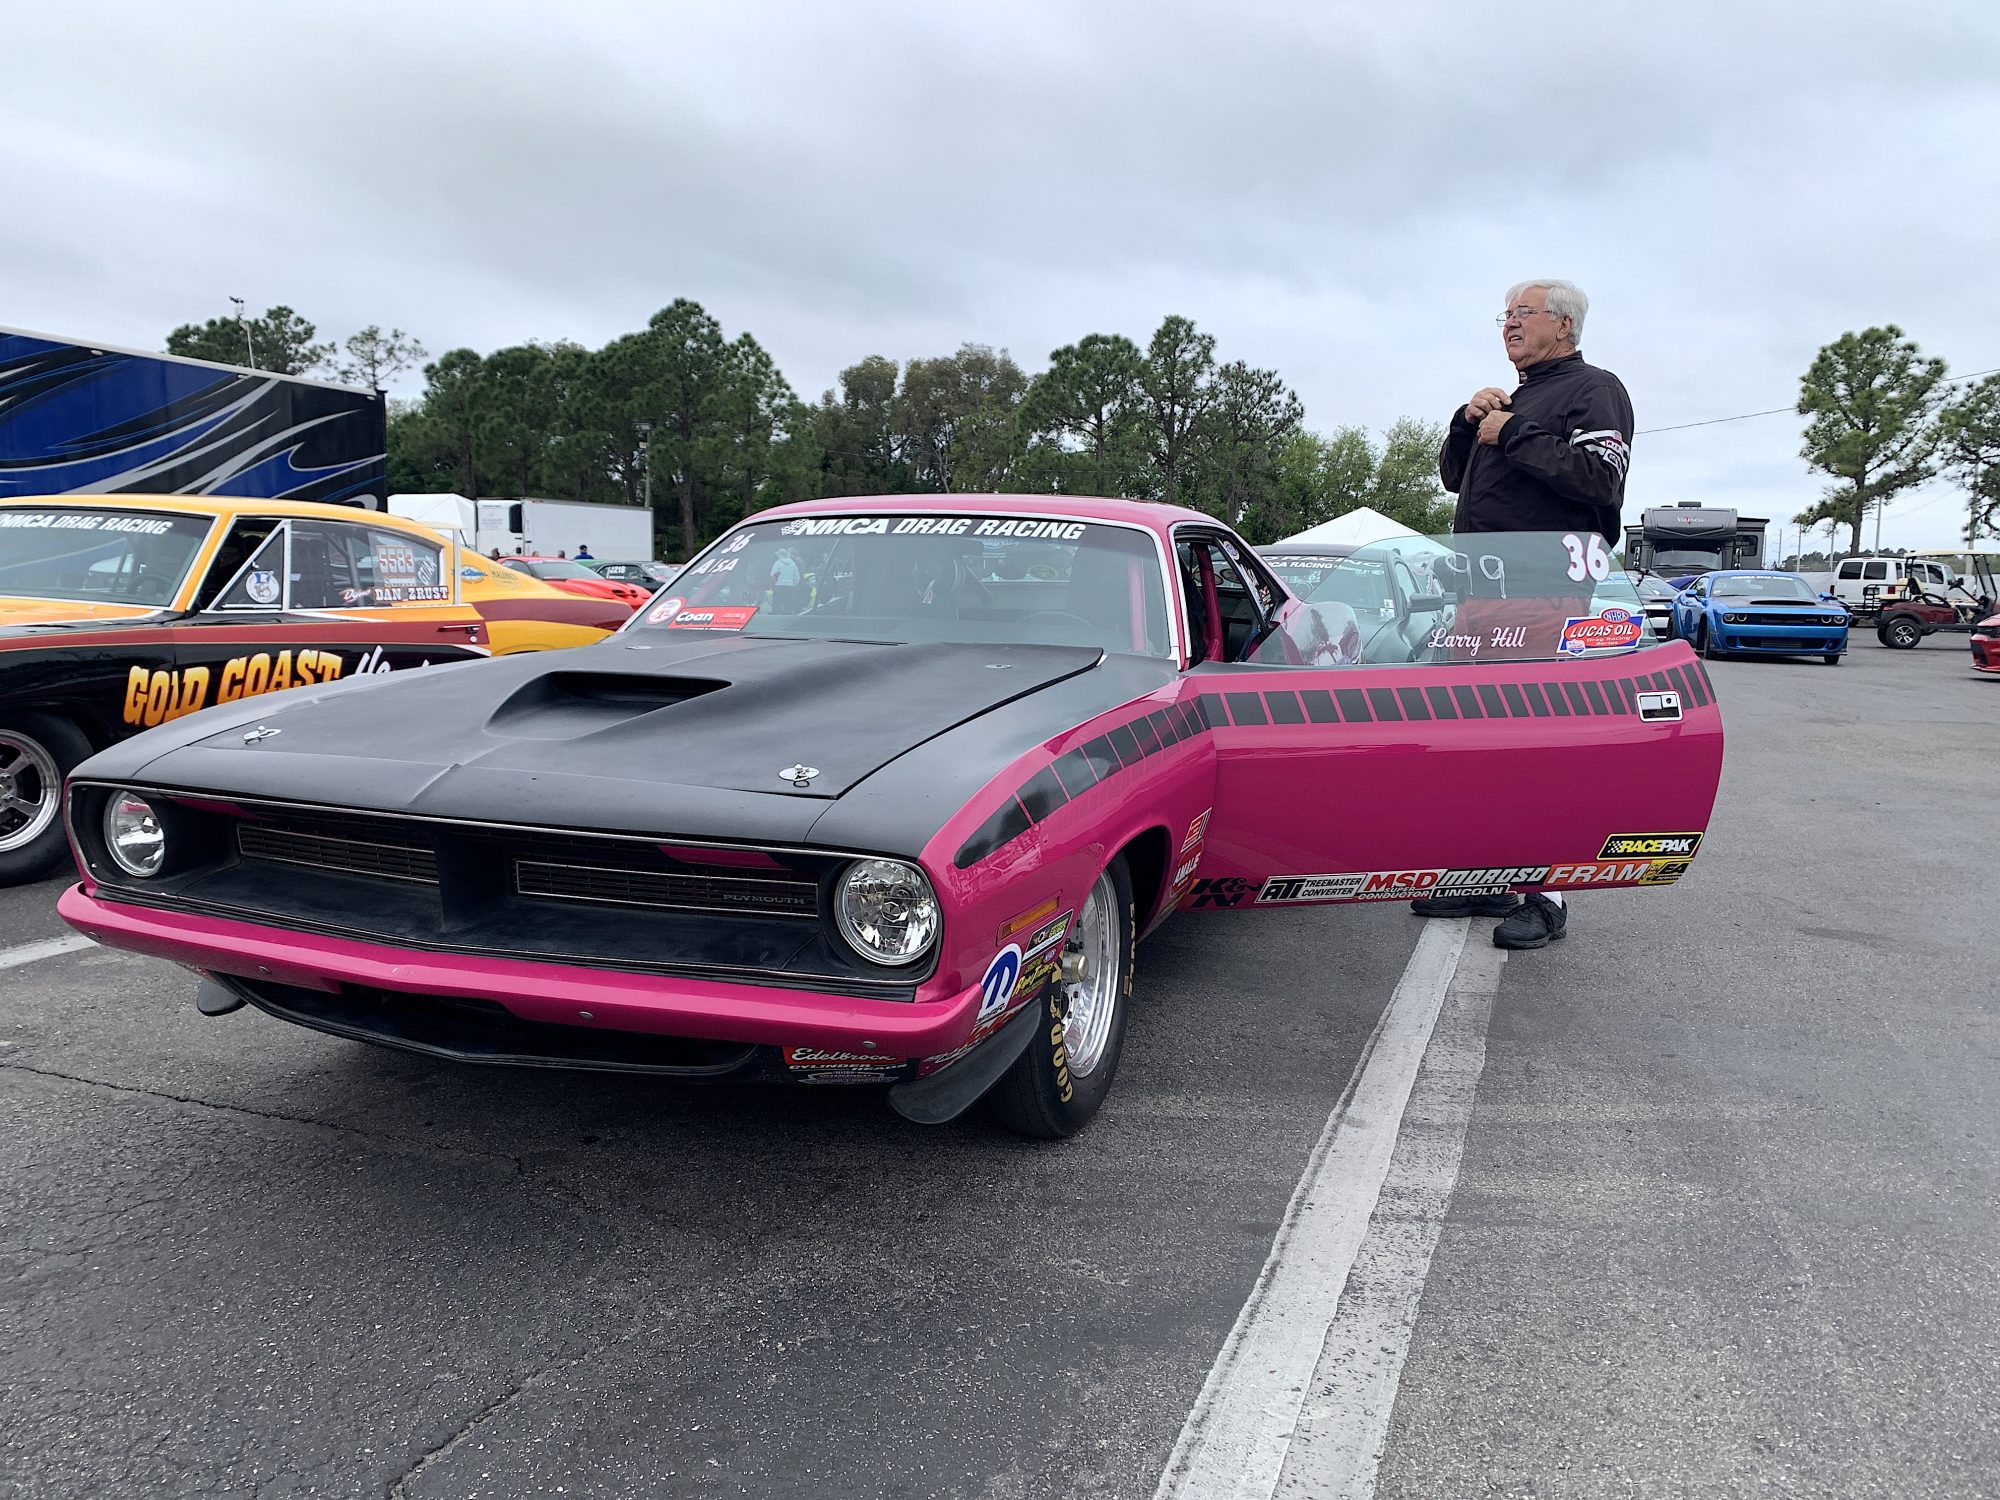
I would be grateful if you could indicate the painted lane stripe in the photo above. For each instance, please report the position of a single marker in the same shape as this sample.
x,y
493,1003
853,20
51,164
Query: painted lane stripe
x,y
27,953
1337,1447
1237,1439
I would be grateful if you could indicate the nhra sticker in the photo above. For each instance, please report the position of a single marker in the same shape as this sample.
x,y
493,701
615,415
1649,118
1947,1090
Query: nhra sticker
x,y
665,610
718,617
1653,845
1610,629
997,988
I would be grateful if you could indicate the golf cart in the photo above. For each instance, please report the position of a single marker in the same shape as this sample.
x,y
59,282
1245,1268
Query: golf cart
x,y
1929,608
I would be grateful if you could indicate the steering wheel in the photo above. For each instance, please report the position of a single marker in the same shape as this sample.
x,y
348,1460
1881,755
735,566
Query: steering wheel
x,y
1061,616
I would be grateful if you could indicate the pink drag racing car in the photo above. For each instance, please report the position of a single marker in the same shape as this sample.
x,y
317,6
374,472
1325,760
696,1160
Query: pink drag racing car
x,y
887,790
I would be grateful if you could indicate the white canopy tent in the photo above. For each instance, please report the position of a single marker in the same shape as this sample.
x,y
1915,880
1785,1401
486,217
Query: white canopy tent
x,y
1355,529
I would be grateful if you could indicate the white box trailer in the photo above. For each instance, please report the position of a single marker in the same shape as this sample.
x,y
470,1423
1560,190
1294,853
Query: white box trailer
x,y
450,515
615,533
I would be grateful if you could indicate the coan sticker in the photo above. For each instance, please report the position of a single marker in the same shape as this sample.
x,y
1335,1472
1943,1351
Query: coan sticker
x,y
1653,845
1610,629
154,697
718,617
996,989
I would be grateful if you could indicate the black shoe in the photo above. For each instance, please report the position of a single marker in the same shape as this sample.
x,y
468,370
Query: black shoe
x,y
1465,906
1537,924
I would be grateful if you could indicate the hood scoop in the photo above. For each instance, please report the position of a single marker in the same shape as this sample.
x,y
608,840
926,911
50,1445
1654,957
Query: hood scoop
x,y
568,705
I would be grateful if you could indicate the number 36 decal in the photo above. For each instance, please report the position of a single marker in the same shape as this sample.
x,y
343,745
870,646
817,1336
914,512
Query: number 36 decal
x,y
1587,558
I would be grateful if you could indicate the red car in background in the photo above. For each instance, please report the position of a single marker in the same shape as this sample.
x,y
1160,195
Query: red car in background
x,y
1986,646
575,578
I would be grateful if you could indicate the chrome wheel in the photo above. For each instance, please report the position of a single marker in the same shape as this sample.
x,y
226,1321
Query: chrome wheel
x,y
30,790
1095,954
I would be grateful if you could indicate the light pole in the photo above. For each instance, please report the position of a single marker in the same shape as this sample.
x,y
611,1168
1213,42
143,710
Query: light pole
x,y
645,431
244,324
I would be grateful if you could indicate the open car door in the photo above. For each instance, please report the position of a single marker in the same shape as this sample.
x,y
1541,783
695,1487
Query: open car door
x,y
1538,736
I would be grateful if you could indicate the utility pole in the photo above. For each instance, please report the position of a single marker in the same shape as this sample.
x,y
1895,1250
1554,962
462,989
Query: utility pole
x,y
645,431
244,324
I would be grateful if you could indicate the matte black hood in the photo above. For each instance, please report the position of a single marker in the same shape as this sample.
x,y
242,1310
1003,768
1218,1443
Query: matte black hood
x,y
625,734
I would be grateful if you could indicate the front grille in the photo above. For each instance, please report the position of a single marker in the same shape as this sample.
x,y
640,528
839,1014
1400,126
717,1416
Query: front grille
x,y
666,891
1781,619
322,851
1802,645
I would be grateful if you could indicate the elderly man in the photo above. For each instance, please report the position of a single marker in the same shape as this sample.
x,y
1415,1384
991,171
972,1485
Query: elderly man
x,y
1550,455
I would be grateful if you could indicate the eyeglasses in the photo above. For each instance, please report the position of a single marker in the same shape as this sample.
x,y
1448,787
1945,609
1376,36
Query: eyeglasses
x,y
1522,314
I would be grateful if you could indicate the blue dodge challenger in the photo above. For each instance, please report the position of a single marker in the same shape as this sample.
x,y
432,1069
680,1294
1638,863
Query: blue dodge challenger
x,y
1765,614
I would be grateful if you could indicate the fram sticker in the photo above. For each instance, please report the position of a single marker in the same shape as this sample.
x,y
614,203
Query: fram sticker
x,y
997,988
1650,845
1610,629
1605,872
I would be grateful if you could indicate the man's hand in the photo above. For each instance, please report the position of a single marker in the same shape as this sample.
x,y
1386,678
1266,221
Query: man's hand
x,y
1491,398
1490,425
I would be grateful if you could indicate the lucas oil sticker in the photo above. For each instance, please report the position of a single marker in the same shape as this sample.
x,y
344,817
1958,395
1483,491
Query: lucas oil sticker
x,y
1610,629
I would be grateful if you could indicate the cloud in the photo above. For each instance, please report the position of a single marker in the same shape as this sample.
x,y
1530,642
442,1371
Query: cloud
x,y
1337,191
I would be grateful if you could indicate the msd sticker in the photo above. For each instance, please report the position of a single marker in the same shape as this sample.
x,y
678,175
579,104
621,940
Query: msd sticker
x,y
716,617
1610,629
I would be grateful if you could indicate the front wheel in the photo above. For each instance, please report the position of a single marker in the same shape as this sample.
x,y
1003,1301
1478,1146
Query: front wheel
x,y
1832,658
36,752
1060,1082
1900,634
1704,643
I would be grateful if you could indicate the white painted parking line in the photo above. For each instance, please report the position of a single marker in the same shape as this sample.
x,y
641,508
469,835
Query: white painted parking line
x,y
1238,1439
27,953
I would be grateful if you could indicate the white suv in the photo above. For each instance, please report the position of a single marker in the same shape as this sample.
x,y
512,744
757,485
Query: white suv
x,y
1888,577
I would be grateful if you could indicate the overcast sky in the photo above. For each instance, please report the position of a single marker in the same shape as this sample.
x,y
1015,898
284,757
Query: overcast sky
x,y
1341,192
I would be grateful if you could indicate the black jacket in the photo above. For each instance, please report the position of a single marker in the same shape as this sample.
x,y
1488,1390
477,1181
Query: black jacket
x,y
1560,463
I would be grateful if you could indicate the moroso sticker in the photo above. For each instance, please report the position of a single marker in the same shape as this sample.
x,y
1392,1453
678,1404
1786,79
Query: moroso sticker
x,y
1492,881
154,697
1650,845
997,987
1196,831
1609,629
718,617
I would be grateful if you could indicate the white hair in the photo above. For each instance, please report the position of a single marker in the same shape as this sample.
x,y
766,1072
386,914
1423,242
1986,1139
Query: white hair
x,y
1566,300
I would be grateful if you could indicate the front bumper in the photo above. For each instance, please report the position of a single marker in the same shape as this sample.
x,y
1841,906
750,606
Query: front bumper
x,y
1782,640
267,962
1986,653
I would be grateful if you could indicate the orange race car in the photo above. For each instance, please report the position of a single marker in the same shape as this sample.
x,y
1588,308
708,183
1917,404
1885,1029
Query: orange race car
x,y
121,612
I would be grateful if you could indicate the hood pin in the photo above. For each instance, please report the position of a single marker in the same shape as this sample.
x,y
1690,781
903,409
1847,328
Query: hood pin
x,y
260,733
799,775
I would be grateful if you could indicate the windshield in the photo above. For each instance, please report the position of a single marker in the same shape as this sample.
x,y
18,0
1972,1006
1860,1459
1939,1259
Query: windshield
x,y
1775,587
1507,596
555,568
941,577
1673,561
1325,579
110,556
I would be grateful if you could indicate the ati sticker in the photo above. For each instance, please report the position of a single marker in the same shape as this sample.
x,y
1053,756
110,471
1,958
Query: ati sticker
x,y
996,989
155,697
1610,629
717,617
1653,845
1282,889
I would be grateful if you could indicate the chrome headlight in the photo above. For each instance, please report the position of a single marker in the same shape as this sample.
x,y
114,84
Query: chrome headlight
x,y
133,835
887,910
1833,619
1732,619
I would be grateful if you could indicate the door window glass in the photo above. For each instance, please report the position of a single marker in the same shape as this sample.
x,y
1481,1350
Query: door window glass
x,y
259,582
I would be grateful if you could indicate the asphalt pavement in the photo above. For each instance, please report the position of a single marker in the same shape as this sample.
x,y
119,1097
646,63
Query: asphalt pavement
x,y
1724,1222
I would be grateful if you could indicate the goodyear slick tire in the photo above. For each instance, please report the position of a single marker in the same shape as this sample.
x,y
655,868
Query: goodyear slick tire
x,y
1041,1096
27,743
